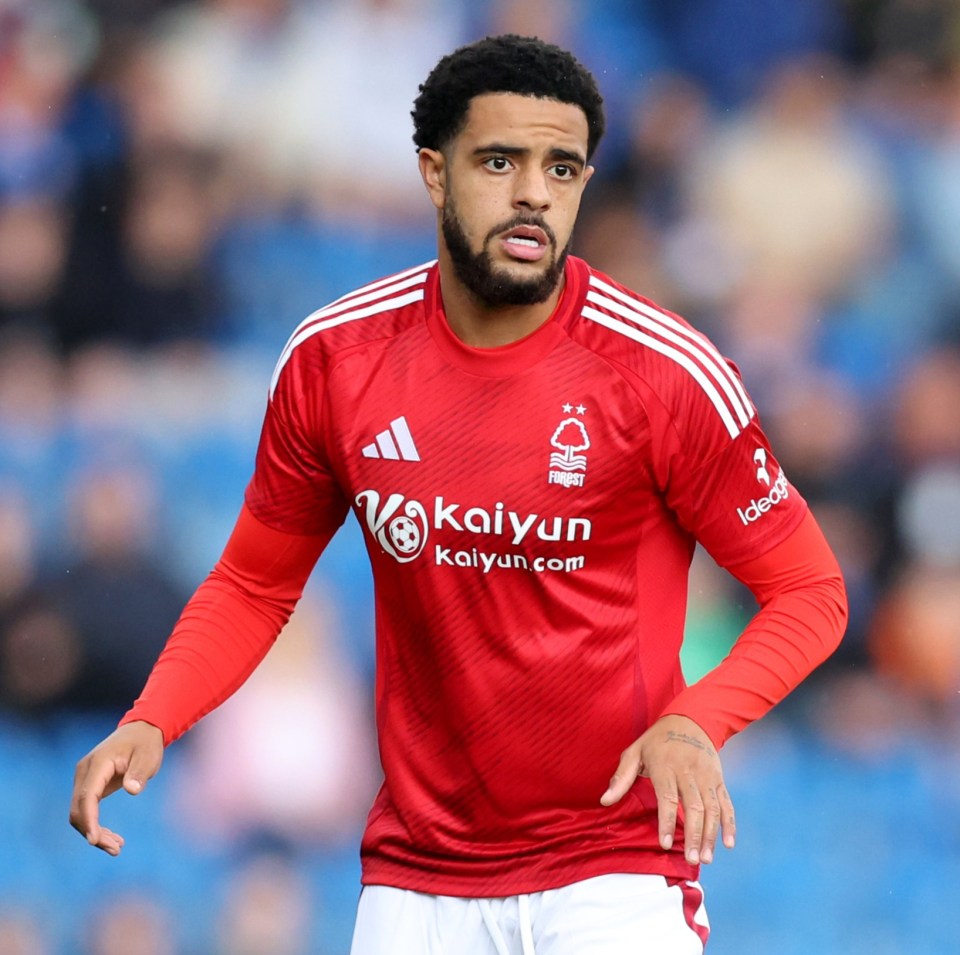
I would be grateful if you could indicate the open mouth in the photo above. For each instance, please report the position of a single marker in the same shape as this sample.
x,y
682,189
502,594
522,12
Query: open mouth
x,y
527,243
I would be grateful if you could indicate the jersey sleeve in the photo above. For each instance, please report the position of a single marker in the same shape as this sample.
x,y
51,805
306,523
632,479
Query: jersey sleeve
x,y
803,614
228,625
293,506
720,475
721,479
294,488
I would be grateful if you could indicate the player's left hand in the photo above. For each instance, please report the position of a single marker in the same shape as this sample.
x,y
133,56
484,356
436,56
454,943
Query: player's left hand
x,y
684,767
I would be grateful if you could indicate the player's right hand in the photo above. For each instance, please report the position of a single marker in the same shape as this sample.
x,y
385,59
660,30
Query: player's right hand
x,y
128,757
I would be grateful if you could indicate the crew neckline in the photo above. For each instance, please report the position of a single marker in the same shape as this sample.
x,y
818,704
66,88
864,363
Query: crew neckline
x,y
518,356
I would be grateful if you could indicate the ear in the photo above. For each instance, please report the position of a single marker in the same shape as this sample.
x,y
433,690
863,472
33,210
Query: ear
x,y
588,173
433,171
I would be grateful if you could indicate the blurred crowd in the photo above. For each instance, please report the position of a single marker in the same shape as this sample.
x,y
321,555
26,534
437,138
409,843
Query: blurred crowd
x,y
181,181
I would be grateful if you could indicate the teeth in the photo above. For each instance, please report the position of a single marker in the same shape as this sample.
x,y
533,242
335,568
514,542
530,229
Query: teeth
x,y
523,240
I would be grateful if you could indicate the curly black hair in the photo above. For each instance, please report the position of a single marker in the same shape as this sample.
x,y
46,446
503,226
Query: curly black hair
x,y
502,64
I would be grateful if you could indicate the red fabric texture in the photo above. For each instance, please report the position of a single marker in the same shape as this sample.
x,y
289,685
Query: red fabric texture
x,y
530,586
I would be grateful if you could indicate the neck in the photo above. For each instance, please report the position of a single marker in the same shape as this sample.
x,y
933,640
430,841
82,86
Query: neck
x,y
482,326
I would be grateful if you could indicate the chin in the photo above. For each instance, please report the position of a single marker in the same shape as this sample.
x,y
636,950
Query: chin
x,y
522,271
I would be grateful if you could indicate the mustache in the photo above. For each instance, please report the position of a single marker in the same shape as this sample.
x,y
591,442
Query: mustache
x,y
520,220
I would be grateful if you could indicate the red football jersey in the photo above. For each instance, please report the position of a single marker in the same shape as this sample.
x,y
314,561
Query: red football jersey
x,y
530,513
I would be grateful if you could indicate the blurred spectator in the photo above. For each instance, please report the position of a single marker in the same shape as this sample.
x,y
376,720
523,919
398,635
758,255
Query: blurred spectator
x,y
733,45
31,409
910,520
670,121
929,514
88,633
120,598
44,46
18,546
267,908
358,153
130,923
319,186
799,199
937,185
103,399
821,430
918,32
21,934
31,428
292,756
40,655
915,638
867,716
147,278
919,506
119,14
280,87
33,251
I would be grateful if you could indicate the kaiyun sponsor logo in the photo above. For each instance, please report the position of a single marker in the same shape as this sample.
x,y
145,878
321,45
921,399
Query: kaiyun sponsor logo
x,y
401,533
403,525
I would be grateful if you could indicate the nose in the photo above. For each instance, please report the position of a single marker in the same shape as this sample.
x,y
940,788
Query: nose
x,y
532,191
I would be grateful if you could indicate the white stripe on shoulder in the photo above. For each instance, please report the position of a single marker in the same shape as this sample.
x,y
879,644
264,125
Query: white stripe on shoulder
x,y
367,293
425,267
668,327
681,358
387,286
319,324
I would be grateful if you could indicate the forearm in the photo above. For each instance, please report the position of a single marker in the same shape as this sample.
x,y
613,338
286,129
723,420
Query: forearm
x,y
802,617
228,625
220,638
783,644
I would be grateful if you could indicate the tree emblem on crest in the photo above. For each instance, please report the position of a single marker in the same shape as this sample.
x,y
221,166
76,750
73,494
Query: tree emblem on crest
x,y
569,438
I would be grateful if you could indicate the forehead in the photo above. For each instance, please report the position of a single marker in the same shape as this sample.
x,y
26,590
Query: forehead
x,y
512,119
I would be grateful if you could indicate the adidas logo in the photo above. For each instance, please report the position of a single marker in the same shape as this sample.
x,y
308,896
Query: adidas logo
x,y
394,444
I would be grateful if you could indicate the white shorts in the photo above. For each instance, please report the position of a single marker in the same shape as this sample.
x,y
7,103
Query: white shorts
x,y
621,914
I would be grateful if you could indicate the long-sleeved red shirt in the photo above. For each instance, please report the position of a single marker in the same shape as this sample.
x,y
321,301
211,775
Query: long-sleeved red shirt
x,y
530,513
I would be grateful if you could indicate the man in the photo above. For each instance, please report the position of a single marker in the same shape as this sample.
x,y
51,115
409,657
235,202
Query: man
x,y
533,451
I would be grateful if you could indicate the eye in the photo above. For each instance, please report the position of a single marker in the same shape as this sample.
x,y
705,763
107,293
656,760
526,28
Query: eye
x,y
563,171
497,163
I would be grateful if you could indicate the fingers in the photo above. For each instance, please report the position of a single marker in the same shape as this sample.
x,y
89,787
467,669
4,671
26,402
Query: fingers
x,y
668,807
693,819
144,764
700,798
684,768
624,777
728,821
668,800
129,758
711,823
95,778
110,842
707,810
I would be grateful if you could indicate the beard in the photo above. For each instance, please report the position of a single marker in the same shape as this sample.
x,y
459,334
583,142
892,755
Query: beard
x,y
488,284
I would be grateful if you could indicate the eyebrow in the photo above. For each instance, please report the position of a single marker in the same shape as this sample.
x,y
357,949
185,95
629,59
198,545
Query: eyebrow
x,y
558,153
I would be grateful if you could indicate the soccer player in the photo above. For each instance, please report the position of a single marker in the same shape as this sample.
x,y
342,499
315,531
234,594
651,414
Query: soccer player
x,y
533,451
